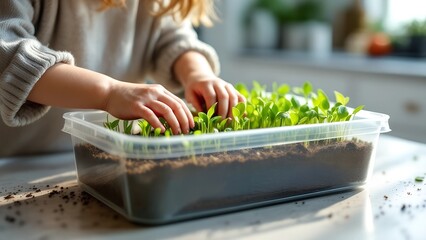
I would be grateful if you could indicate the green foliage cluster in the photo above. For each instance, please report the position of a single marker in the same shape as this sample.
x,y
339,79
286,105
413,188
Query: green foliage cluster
x,y
283,106
114,125
285,12
416,28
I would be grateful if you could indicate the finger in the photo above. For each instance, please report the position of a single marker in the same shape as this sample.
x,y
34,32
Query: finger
x,y
178,111
241,98
163,110
233,98
209,96
150,117
222,99
177,106
184,107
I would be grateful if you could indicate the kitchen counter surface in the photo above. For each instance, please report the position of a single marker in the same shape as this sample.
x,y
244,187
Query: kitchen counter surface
x,y
40,199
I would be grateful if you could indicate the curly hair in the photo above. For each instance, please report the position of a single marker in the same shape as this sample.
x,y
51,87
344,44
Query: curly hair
x,y
199,11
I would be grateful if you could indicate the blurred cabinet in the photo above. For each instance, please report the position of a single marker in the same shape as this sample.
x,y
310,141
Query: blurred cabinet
x,y
403,98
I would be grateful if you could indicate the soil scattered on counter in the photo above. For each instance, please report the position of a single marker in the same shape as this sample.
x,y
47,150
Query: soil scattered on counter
x,y
10,196
410,206
62,207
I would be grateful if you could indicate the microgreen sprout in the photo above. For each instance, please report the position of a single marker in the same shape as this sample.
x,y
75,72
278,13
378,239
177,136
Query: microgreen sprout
x,y
419,179
283,106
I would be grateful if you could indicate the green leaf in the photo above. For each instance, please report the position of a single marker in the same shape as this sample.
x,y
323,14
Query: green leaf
x,y
265,113
357,109
341,98
311,114
283,89
157,132
241,107
214,120
303,120
288,122
257,87
295,103
294,118
261,101
255,113
142,124
255,101
114,124
307,89
250,109
203,117
127,125
241,88
419,179
342,112
325,105
287,105
314,120
336,105
211,111
304,108
273,111
298,90
222,124
235,112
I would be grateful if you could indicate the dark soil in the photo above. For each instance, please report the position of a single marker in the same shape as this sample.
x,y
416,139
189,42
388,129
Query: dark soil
x,y
162,190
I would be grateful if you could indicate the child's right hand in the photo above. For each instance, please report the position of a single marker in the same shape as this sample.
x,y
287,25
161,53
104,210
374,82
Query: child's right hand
x,y
149,101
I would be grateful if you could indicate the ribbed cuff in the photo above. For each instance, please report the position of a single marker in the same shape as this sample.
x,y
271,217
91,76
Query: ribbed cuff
x,y
27,66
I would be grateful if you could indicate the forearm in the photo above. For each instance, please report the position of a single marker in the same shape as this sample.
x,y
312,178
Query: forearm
x,y
69,86
192,66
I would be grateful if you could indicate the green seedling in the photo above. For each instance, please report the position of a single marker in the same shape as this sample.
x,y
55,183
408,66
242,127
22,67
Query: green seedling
x,y
283,106
419,179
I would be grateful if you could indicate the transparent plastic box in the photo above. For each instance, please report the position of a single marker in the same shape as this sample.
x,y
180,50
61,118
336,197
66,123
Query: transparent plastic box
x,y
166,179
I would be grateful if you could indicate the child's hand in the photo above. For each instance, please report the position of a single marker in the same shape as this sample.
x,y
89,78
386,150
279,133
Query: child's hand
x,y
204,92
202,87
149,101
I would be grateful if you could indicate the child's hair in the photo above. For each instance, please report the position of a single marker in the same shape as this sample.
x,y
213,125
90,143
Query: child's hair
x,y
200,11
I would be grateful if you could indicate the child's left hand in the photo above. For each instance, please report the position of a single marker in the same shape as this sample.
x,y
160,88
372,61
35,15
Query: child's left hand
x,y
202,93
202,87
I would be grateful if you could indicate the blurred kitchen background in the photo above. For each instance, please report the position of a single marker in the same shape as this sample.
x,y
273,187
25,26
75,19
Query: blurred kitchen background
x,y
371,50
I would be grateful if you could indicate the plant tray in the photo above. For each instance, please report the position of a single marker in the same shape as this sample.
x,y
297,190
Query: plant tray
x,y
167,179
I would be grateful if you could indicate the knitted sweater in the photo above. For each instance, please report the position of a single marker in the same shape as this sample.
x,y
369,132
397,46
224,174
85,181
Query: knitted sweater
x,y
127,43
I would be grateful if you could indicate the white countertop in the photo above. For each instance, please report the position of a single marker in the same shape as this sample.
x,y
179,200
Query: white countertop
x,y
48,204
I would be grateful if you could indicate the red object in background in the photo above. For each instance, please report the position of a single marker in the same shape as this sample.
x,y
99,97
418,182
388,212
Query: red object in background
x,y
380,45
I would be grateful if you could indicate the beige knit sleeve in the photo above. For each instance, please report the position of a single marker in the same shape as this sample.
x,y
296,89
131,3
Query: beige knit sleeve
x,y
174,41
23,61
